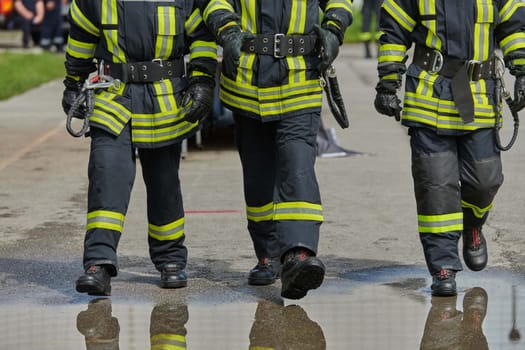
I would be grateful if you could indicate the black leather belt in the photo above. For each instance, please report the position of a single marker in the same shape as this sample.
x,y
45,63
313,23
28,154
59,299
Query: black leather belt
x,y
435,62
460,71
280,45
146,72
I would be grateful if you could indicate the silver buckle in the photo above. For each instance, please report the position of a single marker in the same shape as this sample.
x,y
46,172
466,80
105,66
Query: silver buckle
x,y
277,38
471,69
159,61
437,62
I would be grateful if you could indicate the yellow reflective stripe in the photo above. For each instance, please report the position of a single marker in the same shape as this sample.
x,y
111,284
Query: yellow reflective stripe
x,y
425,86
428,7
166,31
156,119
110,16
342,4
244,76
201,48
260,348
262,213
513,42
215,5
163,134
297,68
298,211
193,21
399,15
332,23
440,223
229,24
508,9
248,15
105,219
168,341
297,18
478,212
79,49
102,118
82,21
173,230
165,96
391,53
478,88
272,93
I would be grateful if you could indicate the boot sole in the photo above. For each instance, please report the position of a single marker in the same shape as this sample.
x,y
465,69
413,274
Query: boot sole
x,y
93,288
261,281
173,285
448,292
310,276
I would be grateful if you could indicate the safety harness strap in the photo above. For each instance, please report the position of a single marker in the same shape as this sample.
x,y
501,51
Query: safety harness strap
x,y
146,72
280,45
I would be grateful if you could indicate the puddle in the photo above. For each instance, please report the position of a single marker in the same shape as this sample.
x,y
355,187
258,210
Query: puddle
x,y
373,309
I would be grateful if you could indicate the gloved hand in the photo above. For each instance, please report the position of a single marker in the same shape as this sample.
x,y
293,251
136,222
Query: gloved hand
x,y
69,96
386,101
519,94
231,39
198,99
329,47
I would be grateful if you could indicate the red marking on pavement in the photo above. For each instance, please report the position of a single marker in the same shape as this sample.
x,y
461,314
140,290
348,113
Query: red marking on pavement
x,y
211,211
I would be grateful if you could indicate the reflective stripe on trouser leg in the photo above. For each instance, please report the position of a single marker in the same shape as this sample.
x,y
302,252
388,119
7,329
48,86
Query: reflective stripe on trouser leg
x,y
437,190
298,211
481,175
168,326
255,144
160,170
111,172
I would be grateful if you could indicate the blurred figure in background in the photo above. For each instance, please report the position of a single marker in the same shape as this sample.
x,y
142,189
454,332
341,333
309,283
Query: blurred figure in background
x,y
370,25
29,13
51,31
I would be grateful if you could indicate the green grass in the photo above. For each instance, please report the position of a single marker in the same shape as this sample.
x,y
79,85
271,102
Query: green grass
x,y
21,72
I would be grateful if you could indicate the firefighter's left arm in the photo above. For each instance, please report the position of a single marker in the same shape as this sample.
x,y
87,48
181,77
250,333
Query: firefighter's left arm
x,y
337,16
510,34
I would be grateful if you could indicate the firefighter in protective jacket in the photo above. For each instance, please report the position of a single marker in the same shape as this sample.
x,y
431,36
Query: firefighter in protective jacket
x,y
274,51
156,104
450,110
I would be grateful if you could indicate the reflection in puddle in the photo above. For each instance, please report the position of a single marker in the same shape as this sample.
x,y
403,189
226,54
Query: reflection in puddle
x,y
372,310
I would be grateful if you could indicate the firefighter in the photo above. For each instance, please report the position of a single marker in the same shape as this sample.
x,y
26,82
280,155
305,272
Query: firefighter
x,y
370,13
154,105
274,52
450,113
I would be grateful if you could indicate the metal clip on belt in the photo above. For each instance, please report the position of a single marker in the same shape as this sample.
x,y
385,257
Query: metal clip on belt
x,y
148,71
280,45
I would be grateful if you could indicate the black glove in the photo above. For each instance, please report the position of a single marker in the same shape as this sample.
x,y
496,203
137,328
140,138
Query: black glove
x,y
198,99
329,47
231,39
386,101
69,96
519,94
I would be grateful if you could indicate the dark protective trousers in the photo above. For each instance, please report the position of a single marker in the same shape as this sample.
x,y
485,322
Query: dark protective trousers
x,y
111,173
278,160
453,174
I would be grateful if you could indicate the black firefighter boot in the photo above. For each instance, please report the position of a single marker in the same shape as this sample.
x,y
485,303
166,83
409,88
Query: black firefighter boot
x,y
264,273
474,249
444,283
301,271
96,280
173,276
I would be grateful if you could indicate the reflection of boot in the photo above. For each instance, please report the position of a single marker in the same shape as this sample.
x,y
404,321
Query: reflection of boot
x,y
277,327
474,311
167,326
442,325
98,326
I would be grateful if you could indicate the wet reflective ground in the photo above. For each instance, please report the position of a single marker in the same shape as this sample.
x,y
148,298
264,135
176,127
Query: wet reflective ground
x,y
388,308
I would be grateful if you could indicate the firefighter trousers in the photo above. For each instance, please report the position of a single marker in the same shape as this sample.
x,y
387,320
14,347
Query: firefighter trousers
x,y
111,172
455,181
278,160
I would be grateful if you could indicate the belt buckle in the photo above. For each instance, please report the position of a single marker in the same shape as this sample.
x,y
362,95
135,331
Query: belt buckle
x,y
437,62
277,38
473,70
159,61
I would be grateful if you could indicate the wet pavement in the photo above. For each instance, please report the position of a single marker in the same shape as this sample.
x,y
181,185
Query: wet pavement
x,y
376,291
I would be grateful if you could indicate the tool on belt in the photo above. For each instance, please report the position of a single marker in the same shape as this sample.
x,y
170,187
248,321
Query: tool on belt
x,y
84,104
334,98
502,92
